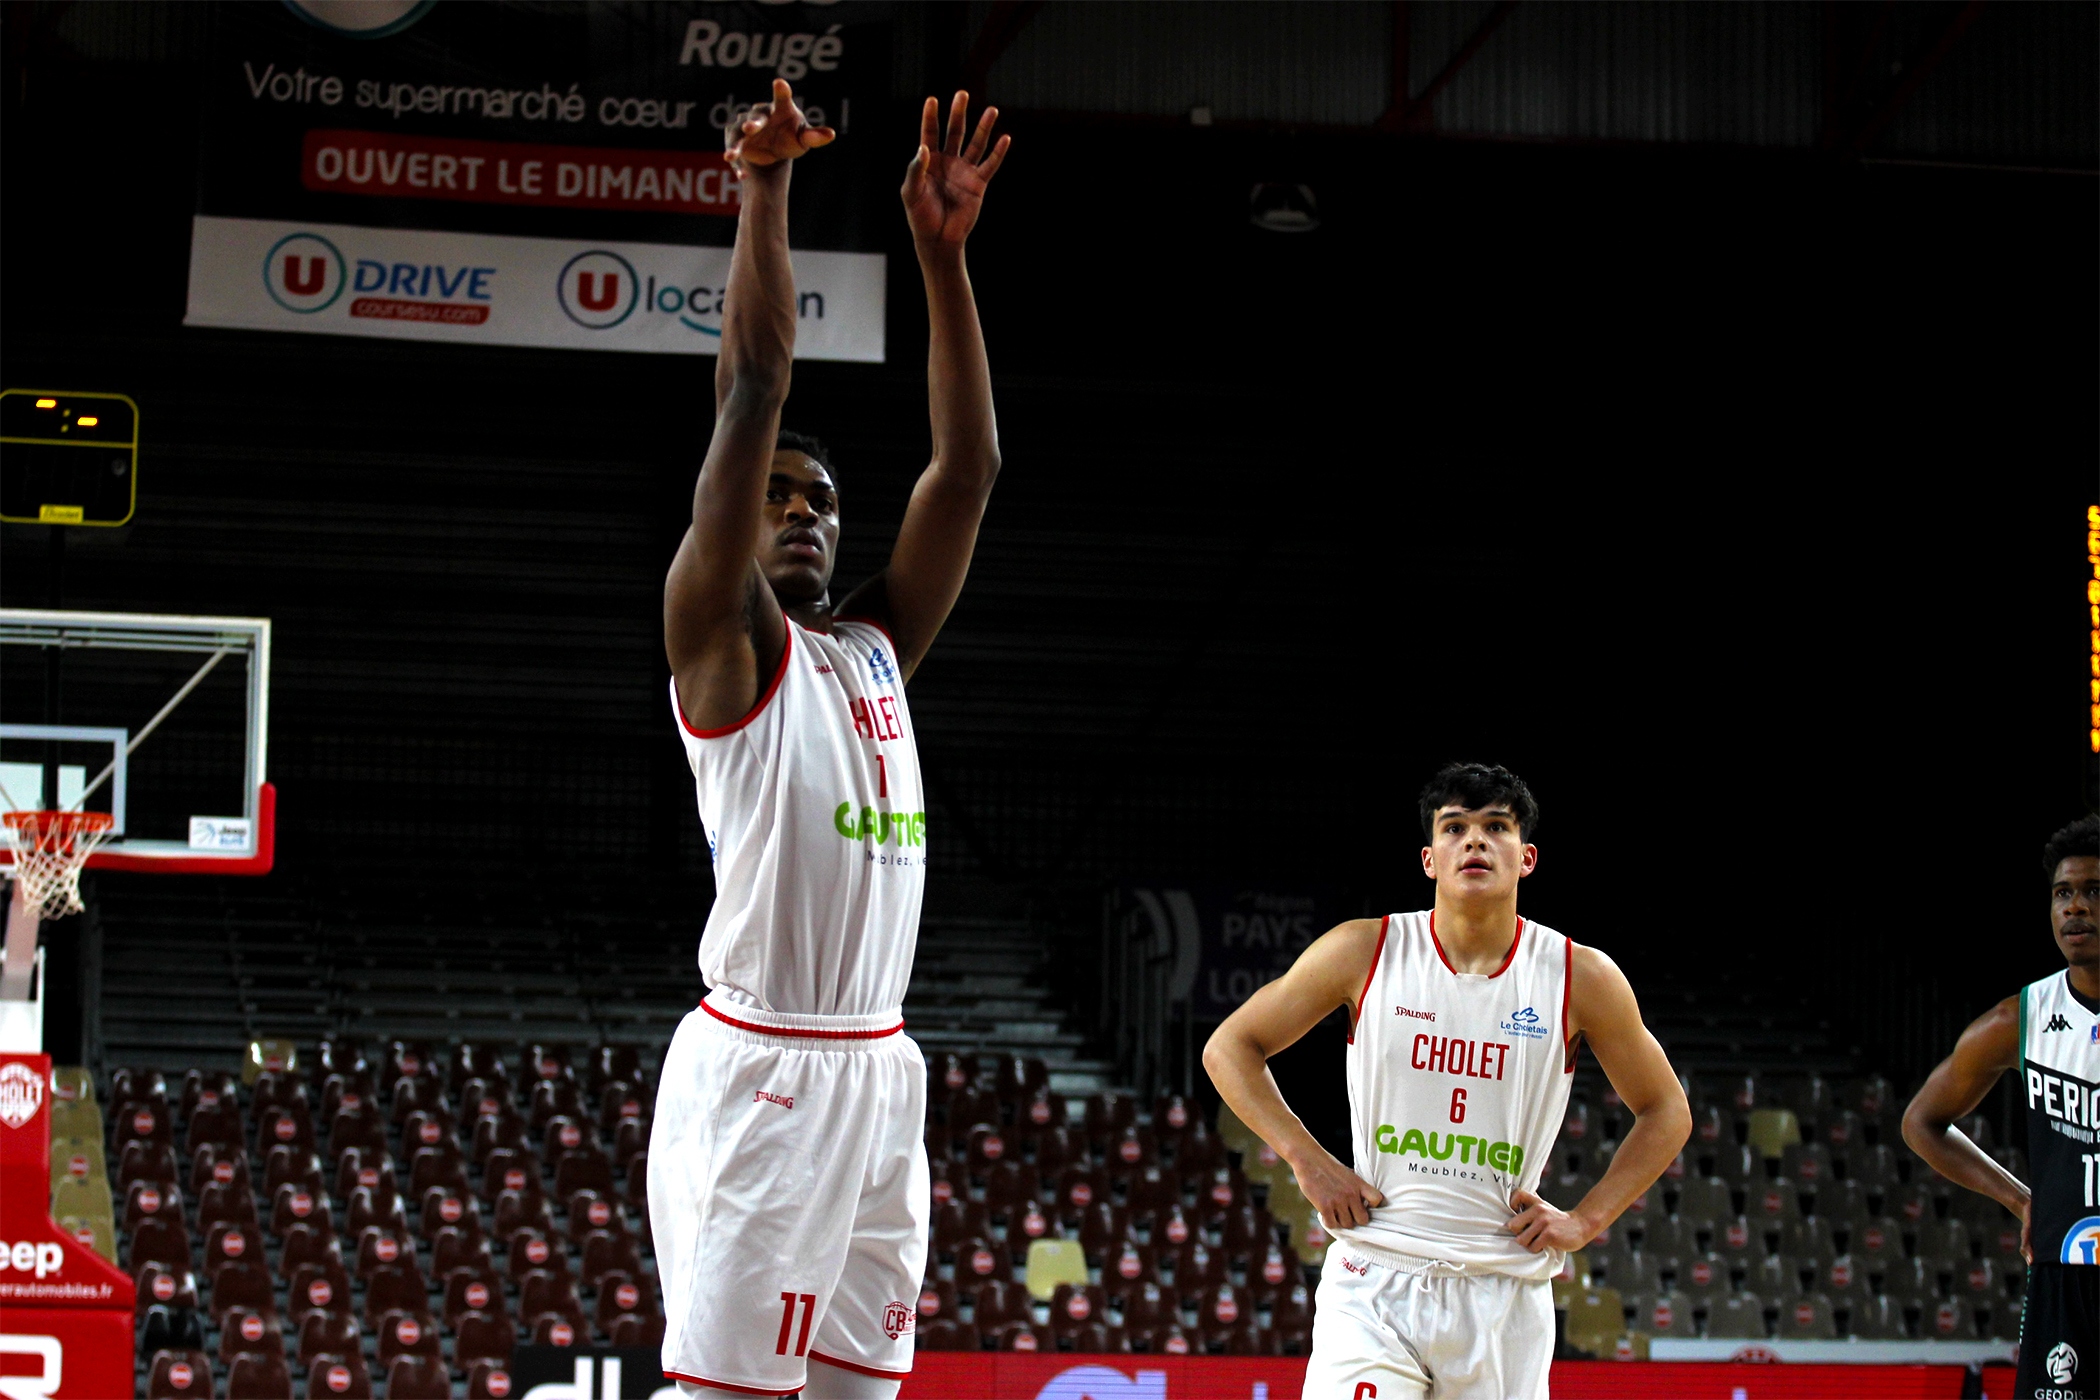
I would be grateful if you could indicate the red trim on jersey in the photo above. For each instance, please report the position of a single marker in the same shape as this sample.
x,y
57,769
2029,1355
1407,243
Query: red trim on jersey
x,y
796,1033
863,617
816,1355
1376,953
1567,989
779,675
1507,958
725,1385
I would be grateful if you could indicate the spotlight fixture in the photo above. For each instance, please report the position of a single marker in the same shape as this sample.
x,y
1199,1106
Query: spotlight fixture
x,y
1283,208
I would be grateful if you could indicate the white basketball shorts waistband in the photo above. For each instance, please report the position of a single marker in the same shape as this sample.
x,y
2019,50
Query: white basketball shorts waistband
x,y
808,1032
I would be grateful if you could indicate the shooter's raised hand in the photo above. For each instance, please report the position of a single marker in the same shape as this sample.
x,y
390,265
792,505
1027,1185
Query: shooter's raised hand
x,y
770,135
944,184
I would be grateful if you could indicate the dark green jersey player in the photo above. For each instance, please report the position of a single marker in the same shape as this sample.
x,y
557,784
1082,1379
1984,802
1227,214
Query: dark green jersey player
x,y
2050,1035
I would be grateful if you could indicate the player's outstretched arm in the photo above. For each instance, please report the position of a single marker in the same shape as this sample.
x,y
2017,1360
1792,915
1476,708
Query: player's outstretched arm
x,y
943,193
1603,1010
722,629
1988,1048
1328,974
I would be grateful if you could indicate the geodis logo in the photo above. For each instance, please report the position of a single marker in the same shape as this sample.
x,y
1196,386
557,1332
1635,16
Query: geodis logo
x,y
304,273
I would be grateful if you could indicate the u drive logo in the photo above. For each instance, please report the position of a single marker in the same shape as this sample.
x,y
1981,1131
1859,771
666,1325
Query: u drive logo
x,y
304,273
51,1364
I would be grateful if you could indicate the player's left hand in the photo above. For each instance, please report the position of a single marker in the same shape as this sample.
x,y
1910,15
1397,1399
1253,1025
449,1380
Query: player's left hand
x,y
945,182
1539,1225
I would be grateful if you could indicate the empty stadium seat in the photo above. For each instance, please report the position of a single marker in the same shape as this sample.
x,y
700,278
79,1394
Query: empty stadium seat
x,y
213,1163
171,1329
456,1248
179,1375
637,1330
228,1204
437,1164
166,1282
1807,1319
489,1380
242,1282
339,1377
246,1330
543,1290
1020,1336
327,1333
395,1287
417,1376
251,1376
535,1248
483,1336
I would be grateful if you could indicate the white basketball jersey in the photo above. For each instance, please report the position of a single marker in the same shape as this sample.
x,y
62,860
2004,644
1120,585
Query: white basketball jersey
x,y
817,822
1458,1083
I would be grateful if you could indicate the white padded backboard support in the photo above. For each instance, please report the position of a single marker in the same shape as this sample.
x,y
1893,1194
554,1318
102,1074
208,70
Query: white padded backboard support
x,y
129,680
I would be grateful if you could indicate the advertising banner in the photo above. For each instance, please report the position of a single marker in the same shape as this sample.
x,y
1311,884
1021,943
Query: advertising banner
x,y
533,174
1227,943
65,1311
488,289
1052,1376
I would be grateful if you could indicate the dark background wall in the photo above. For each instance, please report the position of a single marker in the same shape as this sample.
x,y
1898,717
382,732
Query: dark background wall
x,y
1734,495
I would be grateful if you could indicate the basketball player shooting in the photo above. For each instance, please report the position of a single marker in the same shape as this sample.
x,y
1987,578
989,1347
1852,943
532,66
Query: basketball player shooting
x,y
2049,1034
1465,1021
788,1186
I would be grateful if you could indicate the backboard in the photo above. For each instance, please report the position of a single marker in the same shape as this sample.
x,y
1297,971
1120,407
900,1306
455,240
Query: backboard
x,y
160,720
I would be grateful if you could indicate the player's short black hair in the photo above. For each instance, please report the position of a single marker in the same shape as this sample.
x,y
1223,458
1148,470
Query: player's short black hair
x,y
786,441
1474,786
2080,838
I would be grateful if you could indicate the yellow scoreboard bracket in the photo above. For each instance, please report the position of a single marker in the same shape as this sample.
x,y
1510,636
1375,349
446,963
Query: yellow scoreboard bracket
x,y
68,457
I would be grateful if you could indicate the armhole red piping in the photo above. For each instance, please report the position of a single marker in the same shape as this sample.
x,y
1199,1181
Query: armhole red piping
x,y
779,675
816,1355
1376,954
1567,993
865,620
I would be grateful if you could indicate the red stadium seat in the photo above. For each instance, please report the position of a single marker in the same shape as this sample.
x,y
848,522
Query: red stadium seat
x,y
945,1334
534,1248
146,1199
141,1120
179,1375
1198,1151
621,1102
232,1239
322,1286
1148,1189
242,1283
1076,1305
326,1333
566,1134
485,1094
1078,1189
405,1333
1107,1114
501,1129
606,1251
437,1164
375,1206
352,1085
280,1125
1021,1336
394,1288
637,1330
167,1283
338,1377
586,1168
295,1208
510,1169
448,1205
369,1168
489,1381
543,1291
980,1259
381,1248
246,1330
1010,1187
1054,1148
637,1193
145,1160
1171,1227
1168,1340
218,1126
552,1098
472,1290
1195,1268
520,1210
630,1139
455,1248
1024,1227
936,1300
1102,1230
620,1296
1132,1148
213,1163
590,1209
417,1376
407,1057
428,1127
999,1303
560,1329
481,1336
229,1203
252,1377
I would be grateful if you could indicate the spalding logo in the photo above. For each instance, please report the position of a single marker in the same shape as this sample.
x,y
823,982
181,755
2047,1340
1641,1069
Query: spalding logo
x,y
21,1094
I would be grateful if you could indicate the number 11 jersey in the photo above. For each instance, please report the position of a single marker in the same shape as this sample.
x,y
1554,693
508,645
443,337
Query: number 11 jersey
x,y
816,820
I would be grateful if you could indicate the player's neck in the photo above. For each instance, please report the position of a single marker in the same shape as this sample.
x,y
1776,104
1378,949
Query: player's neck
x,y
1475,934
813,616
2085,979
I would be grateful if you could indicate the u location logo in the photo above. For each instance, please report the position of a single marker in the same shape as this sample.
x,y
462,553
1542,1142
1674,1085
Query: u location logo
x,y
304,272
598,290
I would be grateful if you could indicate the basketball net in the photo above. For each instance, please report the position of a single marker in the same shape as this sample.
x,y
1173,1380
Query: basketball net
x,y
50,849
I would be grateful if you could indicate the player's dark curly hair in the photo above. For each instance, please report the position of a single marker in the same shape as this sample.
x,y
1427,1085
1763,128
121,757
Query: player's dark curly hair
x,y
1474,786
786,441
2080,838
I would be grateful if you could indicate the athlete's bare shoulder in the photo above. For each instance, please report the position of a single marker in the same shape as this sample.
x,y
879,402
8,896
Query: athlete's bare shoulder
x,y
1992,1040
1338,961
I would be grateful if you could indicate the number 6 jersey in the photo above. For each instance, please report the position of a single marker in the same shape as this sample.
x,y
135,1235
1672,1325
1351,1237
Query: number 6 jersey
x,y
1457,1086
817,823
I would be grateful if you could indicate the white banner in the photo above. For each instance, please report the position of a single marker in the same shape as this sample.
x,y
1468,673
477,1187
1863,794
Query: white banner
x,y
413,284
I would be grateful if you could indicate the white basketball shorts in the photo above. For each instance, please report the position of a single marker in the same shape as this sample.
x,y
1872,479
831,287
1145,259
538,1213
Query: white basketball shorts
x,y
1389,1328
788,1197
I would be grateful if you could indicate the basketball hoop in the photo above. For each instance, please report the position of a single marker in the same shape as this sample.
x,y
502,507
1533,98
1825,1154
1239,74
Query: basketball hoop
x,y
50,848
